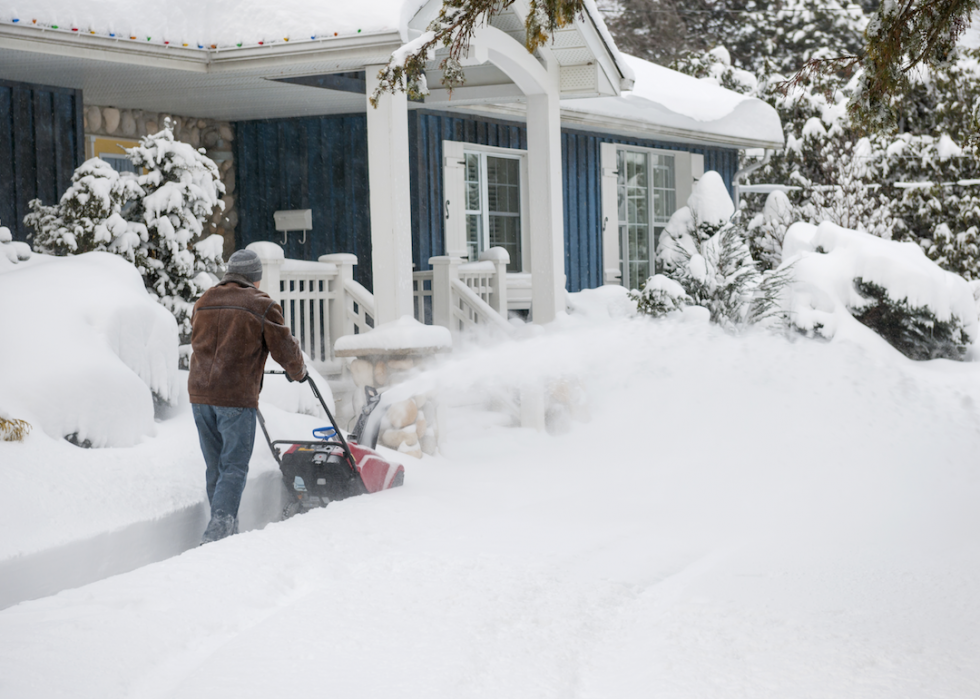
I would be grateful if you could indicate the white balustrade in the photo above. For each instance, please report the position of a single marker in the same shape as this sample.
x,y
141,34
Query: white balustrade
x,y
322,302
462,293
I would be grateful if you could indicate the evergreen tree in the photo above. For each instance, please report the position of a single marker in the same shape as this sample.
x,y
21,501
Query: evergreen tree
x,y
88,216
181,188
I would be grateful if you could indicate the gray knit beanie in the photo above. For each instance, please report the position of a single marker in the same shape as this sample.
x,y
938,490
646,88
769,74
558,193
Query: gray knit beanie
x,y
245,263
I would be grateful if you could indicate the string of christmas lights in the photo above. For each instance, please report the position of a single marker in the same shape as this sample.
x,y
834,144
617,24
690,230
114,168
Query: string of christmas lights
x,y
71,29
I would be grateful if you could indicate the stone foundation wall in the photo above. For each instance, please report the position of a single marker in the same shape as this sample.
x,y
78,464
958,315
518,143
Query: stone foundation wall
x,y
216,137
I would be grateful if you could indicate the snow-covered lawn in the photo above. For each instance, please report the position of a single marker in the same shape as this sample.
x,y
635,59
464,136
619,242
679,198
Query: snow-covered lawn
x,y
742,517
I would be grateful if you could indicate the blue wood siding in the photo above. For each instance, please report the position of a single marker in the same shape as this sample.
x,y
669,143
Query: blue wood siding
x,y
317,163
41,144
321,164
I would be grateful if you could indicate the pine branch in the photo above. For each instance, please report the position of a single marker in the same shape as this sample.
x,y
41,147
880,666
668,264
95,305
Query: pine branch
x,y
453,29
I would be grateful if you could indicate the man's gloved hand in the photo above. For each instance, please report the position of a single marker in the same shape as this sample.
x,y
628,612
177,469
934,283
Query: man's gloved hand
x,y
306,376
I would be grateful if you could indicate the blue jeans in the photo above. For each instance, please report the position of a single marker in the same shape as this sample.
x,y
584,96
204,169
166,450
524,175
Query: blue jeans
x,y
227,436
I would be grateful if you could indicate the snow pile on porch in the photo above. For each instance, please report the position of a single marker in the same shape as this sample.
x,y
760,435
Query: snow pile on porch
x,y
826,260
84,349
681,105
221,23
403,336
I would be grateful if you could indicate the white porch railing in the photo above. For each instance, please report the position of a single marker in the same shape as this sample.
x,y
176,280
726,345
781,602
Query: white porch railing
x,y
320,300
464,295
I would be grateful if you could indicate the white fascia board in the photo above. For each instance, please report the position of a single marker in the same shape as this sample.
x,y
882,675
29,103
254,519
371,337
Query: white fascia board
x,y
367,47
99,48
118,50
628,128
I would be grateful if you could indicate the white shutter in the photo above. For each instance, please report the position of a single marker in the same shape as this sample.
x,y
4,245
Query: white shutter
x,y
697,166
453,205
610,216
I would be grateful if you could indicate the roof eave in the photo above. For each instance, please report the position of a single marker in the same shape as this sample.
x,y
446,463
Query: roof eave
x,y
118,50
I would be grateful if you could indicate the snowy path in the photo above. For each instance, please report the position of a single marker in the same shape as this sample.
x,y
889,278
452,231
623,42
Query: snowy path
x,y
742,518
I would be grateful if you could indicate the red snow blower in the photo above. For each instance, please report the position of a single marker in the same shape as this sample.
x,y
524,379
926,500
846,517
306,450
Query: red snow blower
x,y
333,468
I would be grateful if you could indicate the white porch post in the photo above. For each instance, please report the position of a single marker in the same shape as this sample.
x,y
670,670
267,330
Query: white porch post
x,y
546,215
391,215
445,269
340,323
499,257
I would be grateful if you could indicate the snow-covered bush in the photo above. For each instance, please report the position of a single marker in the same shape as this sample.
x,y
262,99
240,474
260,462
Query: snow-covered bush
x,y
658,296
915,331
88,217
13,429
181,188
766,231
155,220
88,351
845,280
12,251
705,250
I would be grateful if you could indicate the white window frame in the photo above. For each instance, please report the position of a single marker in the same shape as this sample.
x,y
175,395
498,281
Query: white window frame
x,y
454,178
688,168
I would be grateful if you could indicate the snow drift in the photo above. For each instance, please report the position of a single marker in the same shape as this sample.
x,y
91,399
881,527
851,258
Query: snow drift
x,y
827,259
85,348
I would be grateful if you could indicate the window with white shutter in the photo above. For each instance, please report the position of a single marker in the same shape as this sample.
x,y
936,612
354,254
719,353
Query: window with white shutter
x,y
641,189
486,201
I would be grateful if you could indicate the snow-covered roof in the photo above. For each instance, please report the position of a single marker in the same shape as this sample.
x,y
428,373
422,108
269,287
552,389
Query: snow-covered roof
x,y
680,107
216,23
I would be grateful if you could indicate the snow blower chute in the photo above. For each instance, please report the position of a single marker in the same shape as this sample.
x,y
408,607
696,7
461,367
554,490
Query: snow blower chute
x,y
331,467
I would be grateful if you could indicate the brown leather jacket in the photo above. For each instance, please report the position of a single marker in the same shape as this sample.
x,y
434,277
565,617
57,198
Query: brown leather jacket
x,y
234,328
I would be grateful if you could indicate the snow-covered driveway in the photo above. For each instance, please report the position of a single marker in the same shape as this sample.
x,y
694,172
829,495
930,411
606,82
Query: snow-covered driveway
x,y
743,517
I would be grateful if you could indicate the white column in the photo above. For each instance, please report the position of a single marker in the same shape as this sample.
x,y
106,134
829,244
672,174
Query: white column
x,y
546,216
391,213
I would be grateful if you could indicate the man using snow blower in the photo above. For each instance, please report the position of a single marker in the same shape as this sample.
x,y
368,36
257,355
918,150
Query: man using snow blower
x,y
233,330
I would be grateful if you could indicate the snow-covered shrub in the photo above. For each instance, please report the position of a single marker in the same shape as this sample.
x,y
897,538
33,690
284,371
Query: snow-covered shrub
x,y
915,331
90,350
766,231
181,188
12,251
155,220
88,217
705,250
13,429
841,277
658,296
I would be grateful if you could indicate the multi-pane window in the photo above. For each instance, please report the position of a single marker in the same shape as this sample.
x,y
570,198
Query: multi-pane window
x,y
493,205
646,196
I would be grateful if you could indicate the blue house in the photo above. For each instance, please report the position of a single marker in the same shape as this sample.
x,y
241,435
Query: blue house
x,y
571,160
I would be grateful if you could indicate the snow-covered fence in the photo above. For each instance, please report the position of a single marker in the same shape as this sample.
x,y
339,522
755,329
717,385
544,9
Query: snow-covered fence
x,y
461,296
320,300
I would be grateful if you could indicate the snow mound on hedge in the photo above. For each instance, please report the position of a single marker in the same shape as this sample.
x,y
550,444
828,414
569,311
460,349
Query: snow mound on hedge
x,y
826,259
84,348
